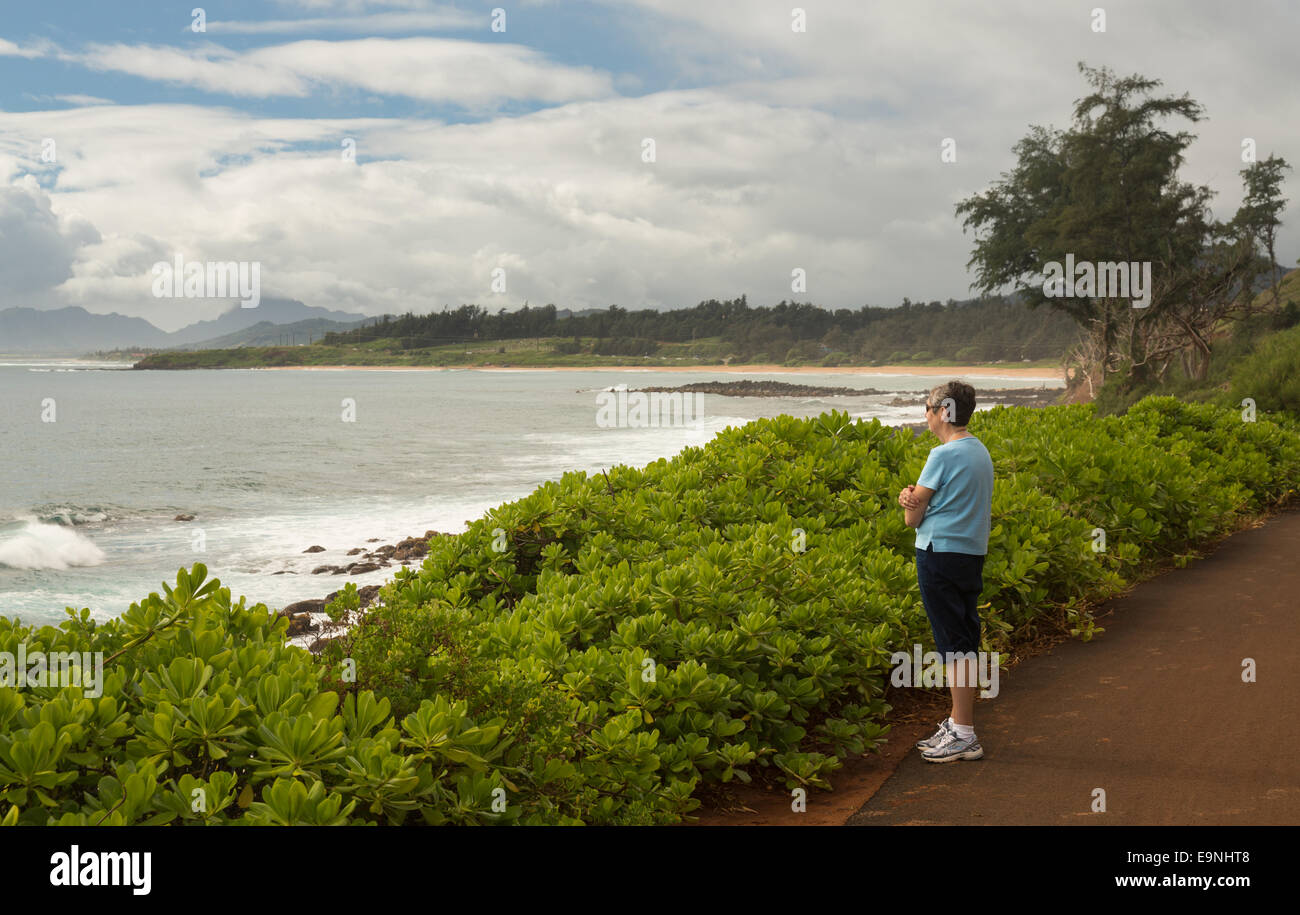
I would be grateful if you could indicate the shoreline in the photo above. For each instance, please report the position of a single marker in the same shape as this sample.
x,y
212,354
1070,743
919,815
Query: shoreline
x,y
973,371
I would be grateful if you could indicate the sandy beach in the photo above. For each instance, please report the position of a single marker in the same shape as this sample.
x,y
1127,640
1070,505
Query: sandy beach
x,y
950,371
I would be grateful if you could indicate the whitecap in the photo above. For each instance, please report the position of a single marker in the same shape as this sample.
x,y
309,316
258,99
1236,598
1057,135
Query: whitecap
x,y
48,546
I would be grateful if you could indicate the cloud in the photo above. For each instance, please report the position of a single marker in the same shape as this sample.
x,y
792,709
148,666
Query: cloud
x,y
739,195
357,6
816,150
83,100
37,248
370,24
9,49
430,69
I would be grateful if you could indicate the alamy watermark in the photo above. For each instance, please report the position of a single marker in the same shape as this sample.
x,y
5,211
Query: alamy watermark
x,y
57,668
927,669
1103,280
103,868
648,410
209,280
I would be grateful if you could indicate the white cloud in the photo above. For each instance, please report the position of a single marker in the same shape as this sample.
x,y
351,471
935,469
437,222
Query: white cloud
x,y
740,194
357,6
9,49
467,73
83,100
369,24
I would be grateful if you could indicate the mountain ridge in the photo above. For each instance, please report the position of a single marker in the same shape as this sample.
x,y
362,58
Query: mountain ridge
x,y
73,330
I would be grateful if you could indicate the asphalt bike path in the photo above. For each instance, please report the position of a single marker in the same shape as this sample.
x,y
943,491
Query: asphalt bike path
x,y
1154,712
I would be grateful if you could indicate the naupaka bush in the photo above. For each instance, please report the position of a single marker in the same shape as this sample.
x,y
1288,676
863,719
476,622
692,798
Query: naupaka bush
x,y
599,650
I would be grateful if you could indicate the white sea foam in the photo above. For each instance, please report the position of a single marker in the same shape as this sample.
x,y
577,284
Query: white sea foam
x,y
48,546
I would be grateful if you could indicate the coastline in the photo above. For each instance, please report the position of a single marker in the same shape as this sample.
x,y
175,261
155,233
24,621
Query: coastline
x,y
973,371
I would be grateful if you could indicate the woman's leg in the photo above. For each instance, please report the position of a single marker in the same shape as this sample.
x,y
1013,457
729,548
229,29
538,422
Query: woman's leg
x,y
966,578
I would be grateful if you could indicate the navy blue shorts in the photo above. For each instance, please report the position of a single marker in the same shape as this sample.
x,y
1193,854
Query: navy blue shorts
x,y
950,589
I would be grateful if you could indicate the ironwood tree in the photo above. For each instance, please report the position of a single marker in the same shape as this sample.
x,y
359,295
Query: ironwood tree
x,y
1107,191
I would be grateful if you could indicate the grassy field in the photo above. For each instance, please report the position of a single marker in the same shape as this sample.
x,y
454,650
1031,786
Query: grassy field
x,y
540,352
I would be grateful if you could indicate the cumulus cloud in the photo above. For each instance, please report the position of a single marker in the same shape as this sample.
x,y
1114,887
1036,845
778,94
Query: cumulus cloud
x,y
37,248
739,195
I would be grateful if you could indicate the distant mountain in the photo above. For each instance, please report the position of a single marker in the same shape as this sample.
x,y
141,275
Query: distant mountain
x,y
73,330
584,313
271,311
264,333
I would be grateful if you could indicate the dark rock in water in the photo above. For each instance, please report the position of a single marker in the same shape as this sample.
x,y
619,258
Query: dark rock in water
x,y
411,548
322,569
285,572
183,518
365,595
355,551
299,623
361,568
373,540
314,549
752,388
305,606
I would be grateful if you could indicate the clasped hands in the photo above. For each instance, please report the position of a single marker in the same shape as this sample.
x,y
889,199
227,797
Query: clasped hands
x,y
907,499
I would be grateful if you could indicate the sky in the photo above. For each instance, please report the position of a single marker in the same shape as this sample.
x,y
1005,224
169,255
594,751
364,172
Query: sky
x,y
385,156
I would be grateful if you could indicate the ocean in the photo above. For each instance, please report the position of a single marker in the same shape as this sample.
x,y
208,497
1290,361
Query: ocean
x,y
97,461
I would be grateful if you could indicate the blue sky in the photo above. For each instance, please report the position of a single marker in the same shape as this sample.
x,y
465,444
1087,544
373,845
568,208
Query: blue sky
x,y
579,34
521,151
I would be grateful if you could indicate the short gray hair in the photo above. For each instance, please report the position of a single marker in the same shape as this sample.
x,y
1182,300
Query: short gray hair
x,y
963,400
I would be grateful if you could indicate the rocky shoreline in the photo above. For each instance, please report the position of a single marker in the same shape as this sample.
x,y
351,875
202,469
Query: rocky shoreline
x,y
1030,397
751,388
404,551
308,617
1018,397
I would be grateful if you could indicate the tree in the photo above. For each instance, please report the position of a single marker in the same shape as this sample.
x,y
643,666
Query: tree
x,y
1260,212
1107,192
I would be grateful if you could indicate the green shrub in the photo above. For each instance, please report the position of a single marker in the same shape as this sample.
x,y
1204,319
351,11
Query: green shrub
x,y
1270,376
729,613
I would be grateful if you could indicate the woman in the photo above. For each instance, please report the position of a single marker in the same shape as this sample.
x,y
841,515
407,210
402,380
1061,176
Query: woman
x,y
950,506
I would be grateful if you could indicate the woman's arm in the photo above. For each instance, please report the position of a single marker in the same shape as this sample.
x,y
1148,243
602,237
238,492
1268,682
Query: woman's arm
x,y
914,508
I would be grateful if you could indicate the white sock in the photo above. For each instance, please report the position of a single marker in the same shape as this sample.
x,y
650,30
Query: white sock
x,y
964,731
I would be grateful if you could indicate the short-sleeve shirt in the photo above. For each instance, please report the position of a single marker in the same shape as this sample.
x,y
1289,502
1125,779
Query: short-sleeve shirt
x,y
957,518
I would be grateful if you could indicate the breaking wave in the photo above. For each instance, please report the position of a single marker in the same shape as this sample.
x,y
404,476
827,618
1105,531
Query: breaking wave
x,y
48,546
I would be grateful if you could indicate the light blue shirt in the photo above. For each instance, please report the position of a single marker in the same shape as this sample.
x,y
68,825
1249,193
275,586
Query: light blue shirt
x,y
957,518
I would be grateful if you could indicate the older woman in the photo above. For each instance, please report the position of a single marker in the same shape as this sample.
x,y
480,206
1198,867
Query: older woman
x,y
950,507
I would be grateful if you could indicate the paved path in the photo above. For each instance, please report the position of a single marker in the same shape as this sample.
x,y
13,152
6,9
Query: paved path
x,y
1154,711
